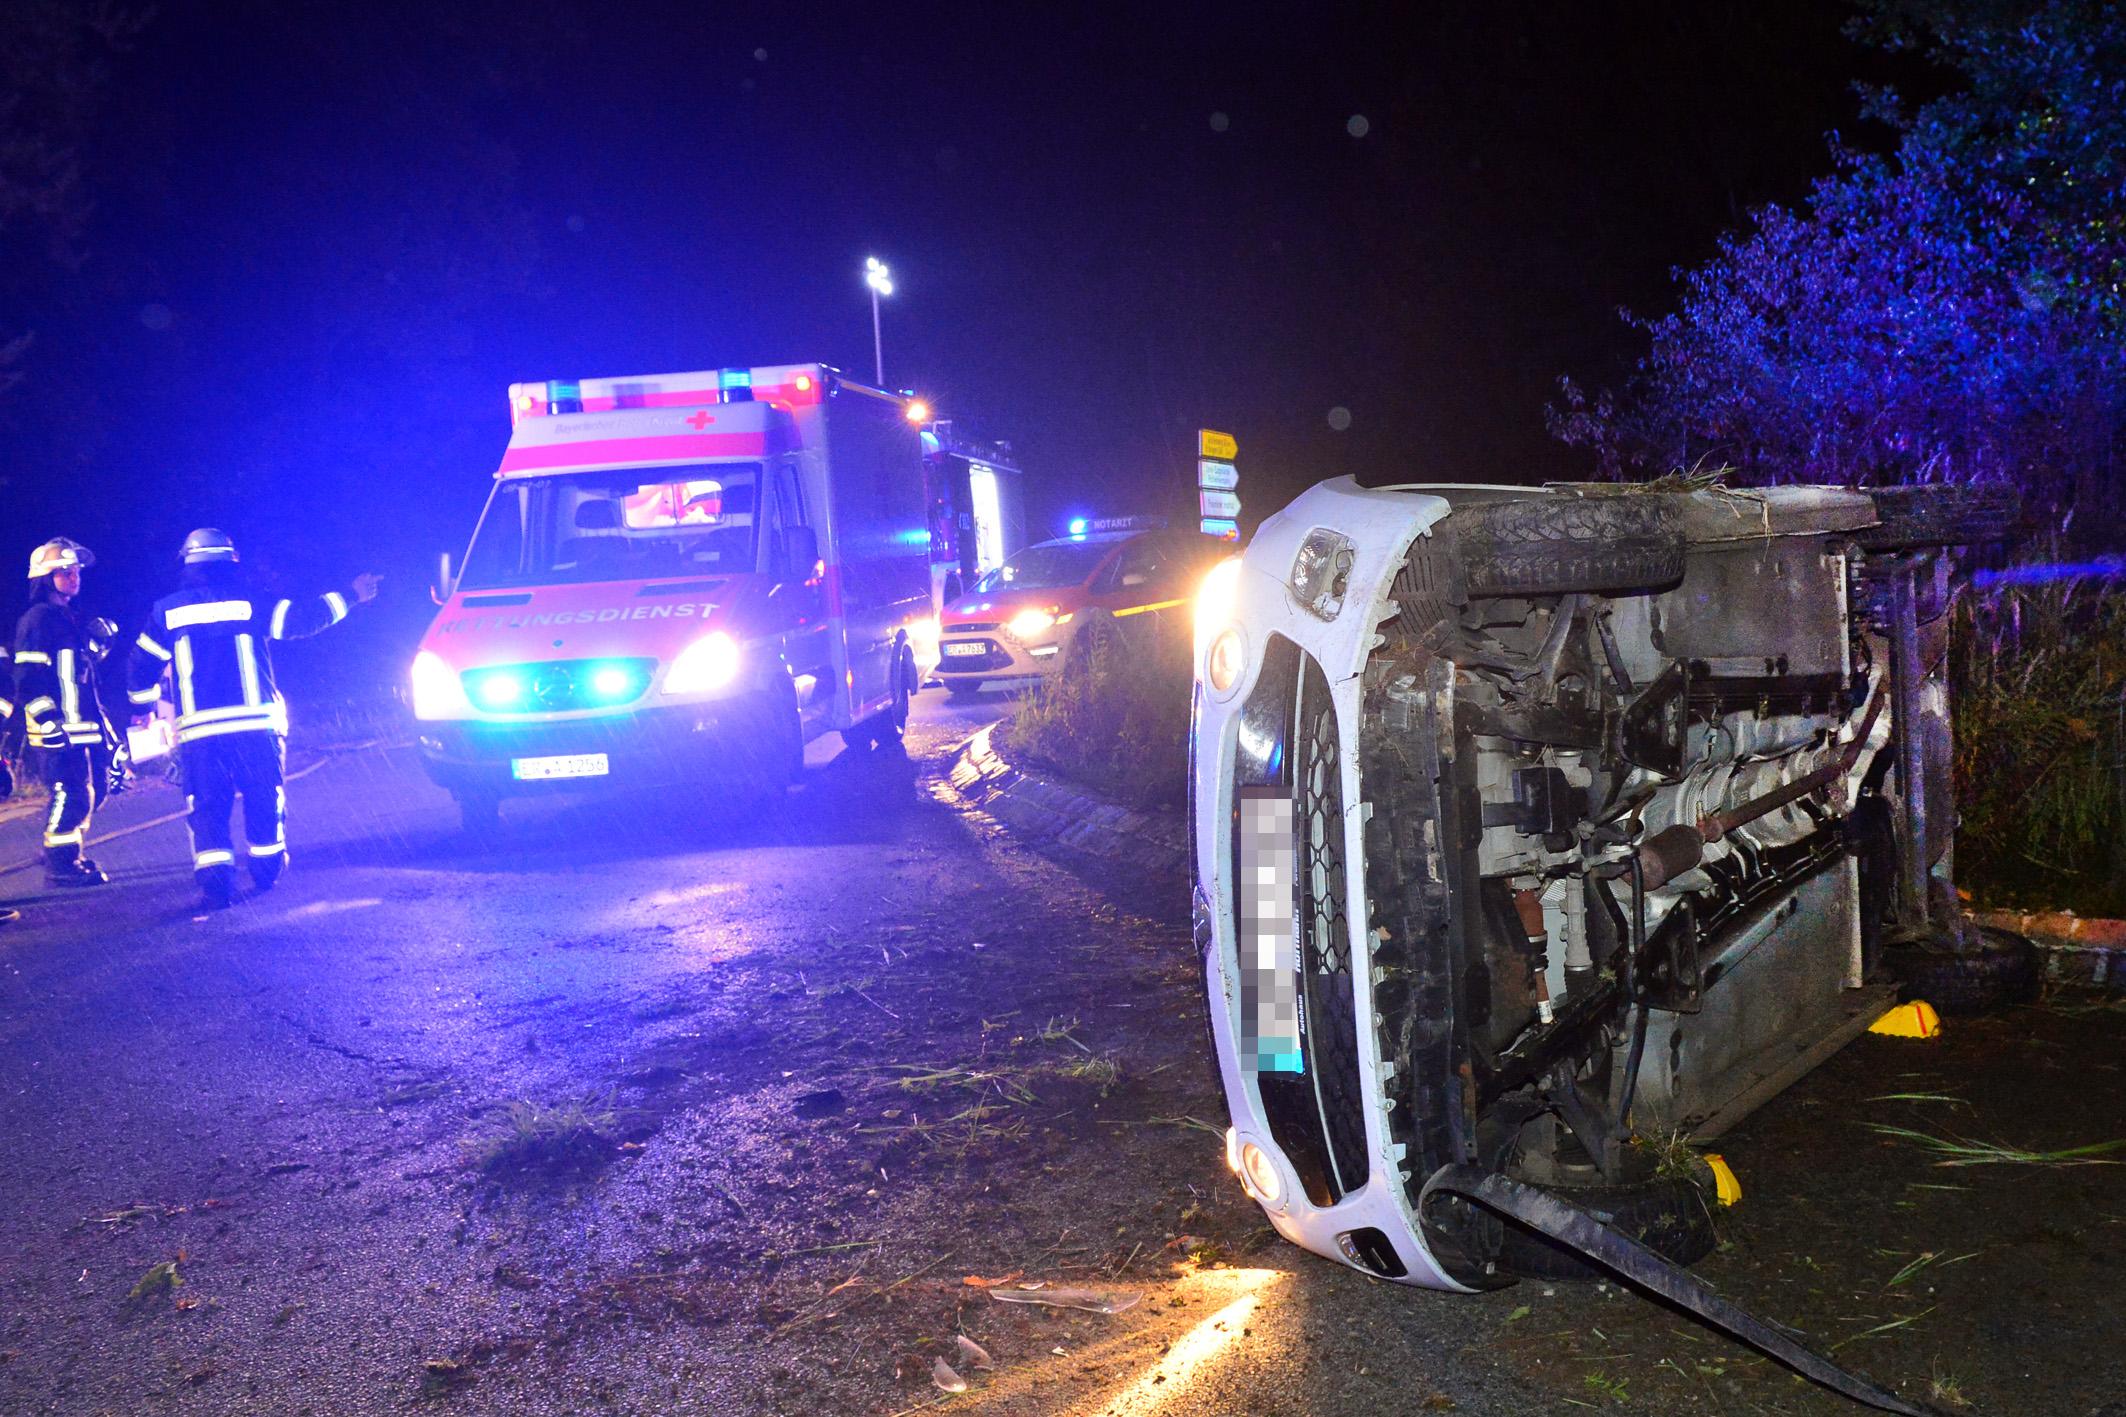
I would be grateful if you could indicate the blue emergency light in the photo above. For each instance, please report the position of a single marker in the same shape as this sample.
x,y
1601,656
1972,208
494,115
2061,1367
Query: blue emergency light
x,y
735,385
1077,526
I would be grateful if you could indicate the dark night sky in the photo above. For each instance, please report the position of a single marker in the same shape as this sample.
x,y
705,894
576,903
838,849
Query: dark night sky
x,y
328,236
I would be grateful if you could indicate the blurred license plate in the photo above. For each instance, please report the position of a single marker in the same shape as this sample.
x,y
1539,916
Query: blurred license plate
x,y
965,651
567,765
1270,1036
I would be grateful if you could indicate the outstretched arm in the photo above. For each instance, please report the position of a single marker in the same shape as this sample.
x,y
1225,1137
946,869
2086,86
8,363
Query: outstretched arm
x,y
295,619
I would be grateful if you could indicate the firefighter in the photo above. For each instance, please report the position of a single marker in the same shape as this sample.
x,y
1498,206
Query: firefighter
x,y
212,639
57,710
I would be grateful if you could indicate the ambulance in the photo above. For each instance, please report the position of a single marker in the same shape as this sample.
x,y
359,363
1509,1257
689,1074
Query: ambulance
x,y
680,579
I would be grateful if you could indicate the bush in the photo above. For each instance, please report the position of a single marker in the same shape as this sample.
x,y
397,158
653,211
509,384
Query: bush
x,y
1116,716
2038,681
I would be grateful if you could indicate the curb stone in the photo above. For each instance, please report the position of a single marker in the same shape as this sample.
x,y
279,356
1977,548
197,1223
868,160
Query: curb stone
x,y
1047,814
2087,953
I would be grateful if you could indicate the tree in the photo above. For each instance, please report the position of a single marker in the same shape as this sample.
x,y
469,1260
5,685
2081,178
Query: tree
x,y
1950,311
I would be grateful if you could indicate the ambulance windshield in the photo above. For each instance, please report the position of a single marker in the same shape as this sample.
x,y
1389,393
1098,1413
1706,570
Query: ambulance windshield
x,y
1047,566
635,524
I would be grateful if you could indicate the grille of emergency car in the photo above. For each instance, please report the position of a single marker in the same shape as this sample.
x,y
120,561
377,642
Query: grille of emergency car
x,y
974,627
1317,1115
558,686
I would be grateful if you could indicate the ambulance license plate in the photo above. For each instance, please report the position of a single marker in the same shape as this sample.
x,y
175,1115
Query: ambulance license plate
x,y
566,765
963,650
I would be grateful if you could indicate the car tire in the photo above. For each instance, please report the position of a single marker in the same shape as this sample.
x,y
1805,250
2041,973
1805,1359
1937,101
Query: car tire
x,y
2001,972
1670,1215
885,729
1917,518
1562,544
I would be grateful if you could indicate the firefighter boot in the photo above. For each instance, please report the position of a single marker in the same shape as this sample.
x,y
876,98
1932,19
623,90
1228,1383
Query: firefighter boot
x,y
265,870
217,886
64,866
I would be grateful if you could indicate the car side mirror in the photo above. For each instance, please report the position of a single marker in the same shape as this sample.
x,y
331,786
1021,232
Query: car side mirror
x,y
800,553
446,584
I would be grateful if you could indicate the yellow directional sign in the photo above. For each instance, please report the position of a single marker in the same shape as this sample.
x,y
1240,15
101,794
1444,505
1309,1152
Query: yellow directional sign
x,y
1212,444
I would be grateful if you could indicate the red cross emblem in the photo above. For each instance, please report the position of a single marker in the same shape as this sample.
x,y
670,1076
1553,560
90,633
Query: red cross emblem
x,y
700,418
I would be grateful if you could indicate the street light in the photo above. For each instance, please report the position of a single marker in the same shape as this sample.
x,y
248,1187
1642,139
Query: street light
x,y
881,282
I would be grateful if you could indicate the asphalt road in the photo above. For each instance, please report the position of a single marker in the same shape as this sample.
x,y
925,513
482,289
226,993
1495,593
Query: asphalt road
x,y
643,1108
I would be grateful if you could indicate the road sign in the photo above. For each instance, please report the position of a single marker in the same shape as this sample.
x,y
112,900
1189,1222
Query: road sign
x,y
1214,503
1221,527
1211,444
1221,475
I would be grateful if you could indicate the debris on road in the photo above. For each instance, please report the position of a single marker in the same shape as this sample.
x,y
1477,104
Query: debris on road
x,y
974,1355
947,1380
1093,1301
160,1279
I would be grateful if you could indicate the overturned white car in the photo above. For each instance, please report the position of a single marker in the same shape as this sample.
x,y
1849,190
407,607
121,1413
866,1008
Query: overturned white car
x,y
1533,824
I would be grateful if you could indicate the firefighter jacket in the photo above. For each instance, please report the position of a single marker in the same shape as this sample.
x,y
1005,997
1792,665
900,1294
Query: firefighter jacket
x,y
54,688
212,641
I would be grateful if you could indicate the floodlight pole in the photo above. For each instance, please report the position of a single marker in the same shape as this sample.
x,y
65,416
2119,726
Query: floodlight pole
x,y
878,348
880,280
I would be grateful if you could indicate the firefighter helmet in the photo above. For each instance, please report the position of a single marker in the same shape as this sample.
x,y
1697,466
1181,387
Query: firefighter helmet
x,y
59,554
208,544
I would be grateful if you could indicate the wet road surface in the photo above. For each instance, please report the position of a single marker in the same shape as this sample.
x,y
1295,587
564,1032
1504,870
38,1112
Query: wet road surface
x,y
643,1108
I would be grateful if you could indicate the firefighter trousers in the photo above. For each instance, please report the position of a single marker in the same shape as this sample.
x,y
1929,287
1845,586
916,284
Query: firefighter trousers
x,y
77,778
217,770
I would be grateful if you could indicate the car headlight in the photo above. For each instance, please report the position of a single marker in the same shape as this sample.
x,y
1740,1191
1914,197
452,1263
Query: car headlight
x,y
1028,623
436,690
1224,661
709,663
1322,571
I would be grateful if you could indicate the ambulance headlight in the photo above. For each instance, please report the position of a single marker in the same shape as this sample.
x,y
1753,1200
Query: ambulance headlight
x,y
709,663
436,690
1028,623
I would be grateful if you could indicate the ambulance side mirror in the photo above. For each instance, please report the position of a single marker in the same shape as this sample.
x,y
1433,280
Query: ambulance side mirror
x,y
446,584
800,553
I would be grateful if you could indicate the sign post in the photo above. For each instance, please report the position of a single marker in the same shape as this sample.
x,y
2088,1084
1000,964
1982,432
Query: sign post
x,y
1217,483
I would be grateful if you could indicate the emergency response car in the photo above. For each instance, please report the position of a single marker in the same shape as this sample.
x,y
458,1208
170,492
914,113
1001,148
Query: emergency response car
x,y
1054,600
680,577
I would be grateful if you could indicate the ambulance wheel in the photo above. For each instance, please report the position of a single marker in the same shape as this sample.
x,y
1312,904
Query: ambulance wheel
x,y
480,813
789,768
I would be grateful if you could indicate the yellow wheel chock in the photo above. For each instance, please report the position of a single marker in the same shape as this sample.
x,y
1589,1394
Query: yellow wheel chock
x,y
1726,1189
1914,1020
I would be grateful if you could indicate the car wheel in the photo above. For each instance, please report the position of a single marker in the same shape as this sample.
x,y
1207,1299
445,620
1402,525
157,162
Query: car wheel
x,y
1561,544
1670,1215
885,728
2001,971
1913,518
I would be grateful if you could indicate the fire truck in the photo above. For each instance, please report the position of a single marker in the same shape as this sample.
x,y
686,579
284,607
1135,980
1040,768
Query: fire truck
x,y
977,513
680,578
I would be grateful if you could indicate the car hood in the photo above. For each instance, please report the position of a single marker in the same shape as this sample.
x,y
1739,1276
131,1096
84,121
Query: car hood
x,y
653,619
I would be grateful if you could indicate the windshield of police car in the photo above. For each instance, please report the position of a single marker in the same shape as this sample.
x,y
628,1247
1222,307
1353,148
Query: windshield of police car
x,y
611,526
1049,565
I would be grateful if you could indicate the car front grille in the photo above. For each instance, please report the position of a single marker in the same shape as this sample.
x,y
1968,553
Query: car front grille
x,y
1317,1114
